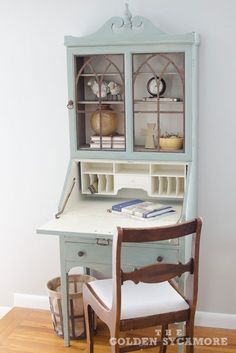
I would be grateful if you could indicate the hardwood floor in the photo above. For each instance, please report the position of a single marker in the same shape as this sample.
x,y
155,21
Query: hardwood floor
x,y
30,331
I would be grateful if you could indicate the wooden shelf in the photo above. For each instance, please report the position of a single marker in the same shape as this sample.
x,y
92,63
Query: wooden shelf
x,y
140,101
160,111
143,149
92,111
151,74
102,102
101,74
88,148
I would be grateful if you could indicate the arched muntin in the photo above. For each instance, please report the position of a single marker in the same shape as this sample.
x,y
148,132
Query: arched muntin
x,y
99,78
160,74
178,70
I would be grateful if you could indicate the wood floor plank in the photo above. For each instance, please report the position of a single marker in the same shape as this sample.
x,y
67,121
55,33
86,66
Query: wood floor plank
x,y
30,331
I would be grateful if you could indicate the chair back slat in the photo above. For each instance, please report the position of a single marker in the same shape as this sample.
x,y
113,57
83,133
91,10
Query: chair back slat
x,y
137,235
157,273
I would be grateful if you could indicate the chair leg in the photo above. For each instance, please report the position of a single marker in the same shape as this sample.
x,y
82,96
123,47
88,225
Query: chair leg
x,y
163,347
89,317
114,338
115,349
189,334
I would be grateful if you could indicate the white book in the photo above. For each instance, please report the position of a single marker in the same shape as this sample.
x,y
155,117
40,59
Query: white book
x,y
107,145
142,219
115,138
140,209
146,209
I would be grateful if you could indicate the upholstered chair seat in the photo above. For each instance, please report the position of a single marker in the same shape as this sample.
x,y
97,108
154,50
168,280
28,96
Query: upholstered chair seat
x,y
142,299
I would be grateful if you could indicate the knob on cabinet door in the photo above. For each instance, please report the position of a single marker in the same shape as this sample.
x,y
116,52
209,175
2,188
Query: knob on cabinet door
x,y
159,258
70,104
81,253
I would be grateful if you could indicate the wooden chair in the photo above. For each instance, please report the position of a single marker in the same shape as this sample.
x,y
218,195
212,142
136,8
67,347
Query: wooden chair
x,y
147,296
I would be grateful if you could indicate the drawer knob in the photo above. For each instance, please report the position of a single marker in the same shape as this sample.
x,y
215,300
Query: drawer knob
x,y
81,253
159,258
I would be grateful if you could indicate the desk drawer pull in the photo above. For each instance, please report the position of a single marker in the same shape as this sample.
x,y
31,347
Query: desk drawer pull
x,y
81,253
159,258
103,242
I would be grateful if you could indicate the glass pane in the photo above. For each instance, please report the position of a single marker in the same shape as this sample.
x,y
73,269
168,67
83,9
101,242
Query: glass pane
x,y
158,92
100,102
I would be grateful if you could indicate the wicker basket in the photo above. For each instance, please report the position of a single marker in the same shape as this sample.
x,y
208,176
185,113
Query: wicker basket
x,y
76,312
171,143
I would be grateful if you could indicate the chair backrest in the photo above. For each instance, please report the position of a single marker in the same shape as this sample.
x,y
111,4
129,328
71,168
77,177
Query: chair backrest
x,y
157,272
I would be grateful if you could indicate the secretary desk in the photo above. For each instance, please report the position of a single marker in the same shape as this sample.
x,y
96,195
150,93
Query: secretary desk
x,y
148,80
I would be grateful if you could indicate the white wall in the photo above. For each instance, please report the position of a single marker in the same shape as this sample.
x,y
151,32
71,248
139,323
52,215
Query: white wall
x,y
34,140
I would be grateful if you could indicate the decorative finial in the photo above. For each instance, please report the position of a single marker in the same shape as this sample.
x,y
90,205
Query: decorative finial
x,y
127,17
127,22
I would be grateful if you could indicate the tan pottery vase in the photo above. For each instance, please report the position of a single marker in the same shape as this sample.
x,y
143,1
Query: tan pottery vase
x,y
108,121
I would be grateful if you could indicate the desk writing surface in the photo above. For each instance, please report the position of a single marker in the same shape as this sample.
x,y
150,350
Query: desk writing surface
x,y
90,217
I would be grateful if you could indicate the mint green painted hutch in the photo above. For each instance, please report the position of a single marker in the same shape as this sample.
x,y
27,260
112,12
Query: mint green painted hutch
x,y
111,70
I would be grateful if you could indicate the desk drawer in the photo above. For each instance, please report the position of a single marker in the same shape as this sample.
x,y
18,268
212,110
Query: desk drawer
x,y
131,255
88,253
142,256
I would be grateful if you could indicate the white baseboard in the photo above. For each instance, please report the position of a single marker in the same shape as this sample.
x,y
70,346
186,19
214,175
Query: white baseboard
x,y
4,310
218,320
31,301
203,318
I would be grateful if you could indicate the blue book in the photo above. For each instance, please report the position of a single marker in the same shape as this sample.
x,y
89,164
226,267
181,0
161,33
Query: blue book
x,y
156,213
118,207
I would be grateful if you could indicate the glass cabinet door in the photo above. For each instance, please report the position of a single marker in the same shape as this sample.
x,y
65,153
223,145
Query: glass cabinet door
x,y
100,113
158,102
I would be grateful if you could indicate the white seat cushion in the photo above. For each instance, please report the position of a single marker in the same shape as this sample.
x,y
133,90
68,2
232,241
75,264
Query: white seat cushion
x,y
143,299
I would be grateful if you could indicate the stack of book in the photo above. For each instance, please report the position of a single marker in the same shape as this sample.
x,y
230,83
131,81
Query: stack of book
x,y
116,141
144,210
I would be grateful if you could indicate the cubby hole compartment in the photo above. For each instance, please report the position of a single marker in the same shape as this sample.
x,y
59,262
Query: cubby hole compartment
x,y
171,186
96,168
86,180
132,168
155,186
109,184
101,184
180,187
105,183
167,186
168,170
163,186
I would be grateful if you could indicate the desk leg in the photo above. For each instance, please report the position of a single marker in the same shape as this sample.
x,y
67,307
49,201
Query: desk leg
x,y
181,327
87,271
64,295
